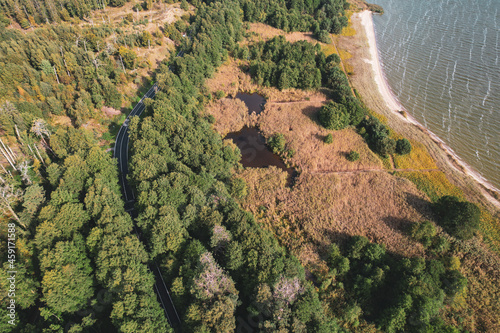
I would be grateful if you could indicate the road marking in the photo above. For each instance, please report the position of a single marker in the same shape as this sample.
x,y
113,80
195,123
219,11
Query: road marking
x,y
159,272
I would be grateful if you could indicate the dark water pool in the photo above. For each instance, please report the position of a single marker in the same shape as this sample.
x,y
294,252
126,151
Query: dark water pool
x,y
255,153
254,102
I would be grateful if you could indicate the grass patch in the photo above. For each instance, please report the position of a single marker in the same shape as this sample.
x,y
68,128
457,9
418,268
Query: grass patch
x,y
386,162
418,158
433,183
490,228
349,30
328,49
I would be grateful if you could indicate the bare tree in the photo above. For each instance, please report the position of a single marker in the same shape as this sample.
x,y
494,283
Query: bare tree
x,y
23,169
9,195
40,129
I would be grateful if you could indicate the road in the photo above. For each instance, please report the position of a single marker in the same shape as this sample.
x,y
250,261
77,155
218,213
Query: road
x,y
121,154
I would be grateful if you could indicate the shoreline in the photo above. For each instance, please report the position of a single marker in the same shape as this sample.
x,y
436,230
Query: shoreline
x,y
394,106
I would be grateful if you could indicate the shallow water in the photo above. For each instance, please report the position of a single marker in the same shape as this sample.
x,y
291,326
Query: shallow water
x,y
254,102
441,60
254,151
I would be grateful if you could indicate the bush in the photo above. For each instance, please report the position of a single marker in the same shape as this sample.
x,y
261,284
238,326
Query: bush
x,y
423,232
385,146
324,37
277,143
220,94
329,138
333,116
353,156
403,147
458,218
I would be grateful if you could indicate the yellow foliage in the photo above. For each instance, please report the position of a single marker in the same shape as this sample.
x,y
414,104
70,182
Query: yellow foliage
x,y
328,49
36,165
454,263
433,183
419,158
490,227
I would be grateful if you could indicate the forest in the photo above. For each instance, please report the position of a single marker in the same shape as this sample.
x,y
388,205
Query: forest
x,y
80,266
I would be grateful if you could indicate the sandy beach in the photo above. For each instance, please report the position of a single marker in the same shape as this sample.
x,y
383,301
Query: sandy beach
x,y
370,81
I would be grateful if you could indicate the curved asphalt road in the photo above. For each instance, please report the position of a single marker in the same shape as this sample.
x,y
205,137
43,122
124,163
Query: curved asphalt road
x,y
121,154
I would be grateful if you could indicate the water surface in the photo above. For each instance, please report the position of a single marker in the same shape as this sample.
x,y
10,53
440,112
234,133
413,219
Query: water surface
x,y
254,102
441,60
254,151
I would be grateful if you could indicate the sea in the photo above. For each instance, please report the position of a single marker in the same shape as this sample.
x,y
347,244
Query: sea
x,y
441,60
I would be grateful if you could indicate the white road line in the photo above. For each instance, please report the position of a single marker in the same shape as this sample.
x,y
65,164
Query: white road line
x,y
164,308
159,272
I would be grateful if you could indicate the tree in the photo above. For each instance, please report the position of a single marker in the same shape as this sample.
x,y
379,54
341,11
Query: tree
x,y
184,5
67,281
277,143
353,156
385,146
423,232
459,218
324,37
403,147
128,57
333,116
33,197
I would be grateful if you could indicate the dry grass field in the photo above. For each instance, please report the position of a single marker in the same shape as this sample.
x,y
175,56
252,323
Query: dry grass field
x,y
321,209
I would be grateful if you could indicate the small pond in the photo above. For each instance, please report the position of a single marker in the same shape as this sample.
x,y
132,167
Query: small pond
x,y
254,102
255,153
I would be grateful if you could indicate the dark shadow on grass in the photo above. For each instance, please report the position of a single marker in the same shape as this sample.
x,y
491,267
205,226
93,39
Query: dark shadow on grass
x,y
421,205
312,113
398,224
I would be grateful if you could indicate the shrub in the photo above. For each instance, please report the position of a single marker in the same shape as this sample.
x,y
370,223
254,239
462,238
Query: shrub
x,y
220,94
353,156
423,232
329,138
324,37
333,116
277,143
385,146
458,218
403,147
184,5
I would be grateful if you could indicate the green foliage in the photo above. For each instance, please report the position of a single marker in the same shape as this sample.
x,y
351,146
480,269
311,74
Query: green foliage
x,y
324,37
328,139
403,147
285,65
423,232
397,294
238,188
297,15
184,5
333,116
353,156
459,218
277,143
377,136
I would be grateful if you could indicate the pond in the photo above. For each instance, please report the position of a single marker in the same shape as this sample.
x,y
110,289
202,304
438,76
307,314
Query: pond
x,y
255,153
254,102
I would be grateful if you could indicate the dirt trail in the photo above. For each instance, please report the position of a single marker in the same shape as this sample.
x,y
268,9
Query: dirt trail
x,y
327,172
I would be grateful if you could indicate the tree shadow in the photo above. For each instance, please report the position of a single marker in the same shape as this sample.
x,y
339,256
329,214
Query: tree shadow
x,y
397,223
421,205
312,113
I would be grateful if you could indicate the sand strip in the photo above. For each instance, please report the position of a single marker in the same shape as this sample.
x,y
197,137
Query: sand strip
x,y
393,104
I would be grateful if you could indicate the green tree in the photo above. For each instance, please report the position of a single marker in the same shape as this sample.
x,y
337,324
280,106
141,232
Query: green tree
x,y
333,116
403,147
277,142
459,218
